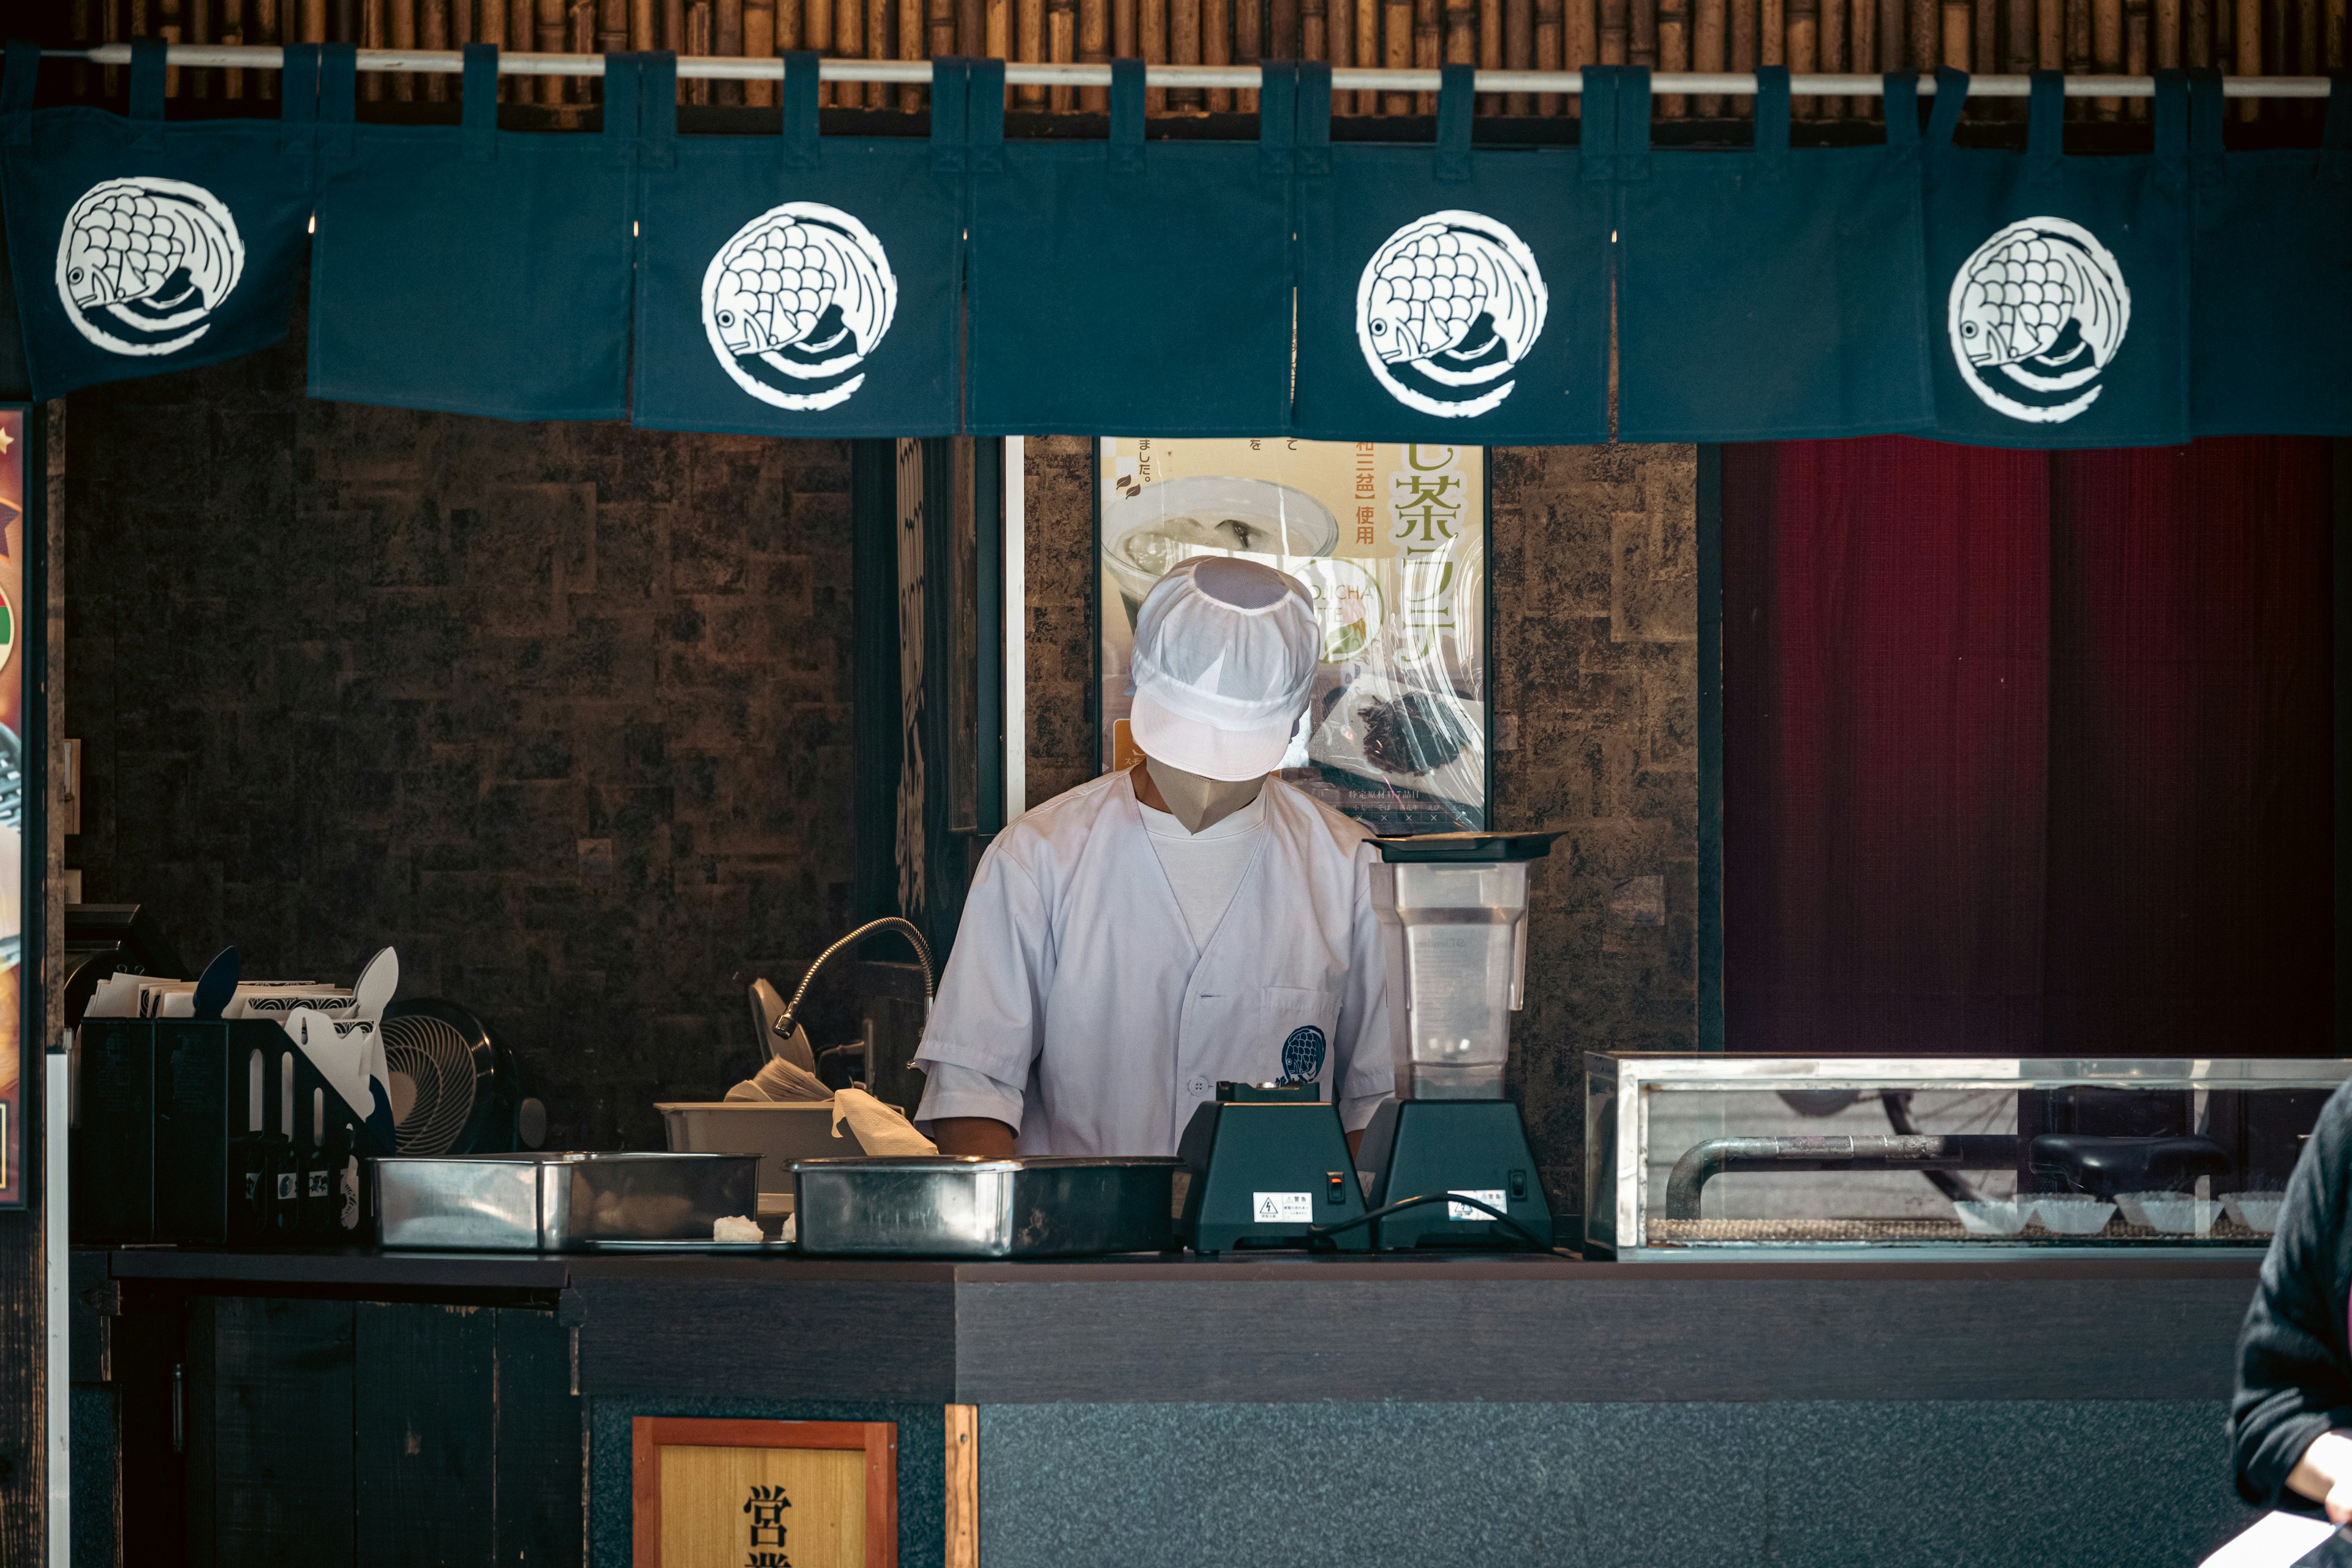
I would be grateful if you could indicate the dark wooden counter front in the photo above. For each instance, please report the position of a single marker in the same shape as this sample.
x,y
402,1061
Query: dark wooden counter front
x,y
1301,1330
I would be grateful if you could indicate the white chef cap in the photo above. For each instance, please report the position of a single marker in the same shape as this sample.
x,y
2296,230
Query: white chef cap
x,y
1225,654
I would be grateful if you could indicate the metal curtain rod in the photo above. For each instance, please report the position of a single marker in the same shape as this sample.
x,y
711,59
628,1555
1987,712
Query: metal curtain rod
x,y
918,73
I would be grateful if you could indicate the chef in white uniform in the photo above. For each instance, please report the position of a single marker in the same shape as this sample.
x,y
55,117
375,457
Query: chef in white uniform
x,y
1128,944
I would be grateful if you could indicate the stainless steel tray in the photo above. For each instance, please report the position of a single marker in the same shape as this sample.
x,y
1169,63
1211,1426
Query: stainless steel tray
x,y
548,1202
932,1205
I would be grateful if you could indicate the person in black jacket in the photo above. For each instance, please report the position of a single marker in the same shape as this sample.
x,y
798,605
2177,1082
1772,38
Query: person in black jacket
x,y
2290,1419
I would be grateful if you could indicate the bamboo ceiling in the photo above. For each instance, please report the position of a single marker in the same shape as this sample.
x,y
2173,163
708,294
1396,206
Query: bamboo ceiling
x,y
2243,38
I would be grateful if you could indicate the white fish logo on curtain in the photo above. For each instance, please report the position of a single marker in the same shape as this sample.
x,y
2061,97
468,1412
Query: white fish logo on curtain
x,y
144,263
2037,315
1447,308
794,303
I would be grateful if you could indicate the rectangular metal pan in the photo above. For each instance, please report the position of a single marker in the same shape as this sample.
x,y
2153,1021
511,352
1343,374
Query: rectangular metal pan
x,y
549,1203
944,1206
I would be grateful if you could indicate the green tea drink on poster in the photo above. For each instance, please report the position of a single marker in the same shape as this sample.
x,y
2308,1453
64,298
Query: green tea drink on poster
x,y
1392,540
13,504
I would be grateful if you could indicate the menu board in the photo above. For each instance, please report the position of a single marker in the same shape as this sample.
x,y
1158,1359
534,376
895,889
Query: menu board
x,y
14,505
1391,538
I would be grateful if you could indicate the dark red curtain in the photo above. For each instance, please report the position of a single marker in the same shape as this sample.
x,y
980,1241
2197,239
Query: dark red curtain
x,y
2027,753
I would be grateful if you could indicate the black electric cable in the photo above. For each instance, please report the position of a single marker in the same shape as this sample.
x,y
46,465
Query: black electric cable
x,y
1373,1216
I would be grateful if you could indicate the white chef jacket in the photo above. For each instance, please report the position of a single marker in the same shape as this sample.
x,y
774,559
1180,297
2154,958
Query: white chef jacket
x,y
1074,974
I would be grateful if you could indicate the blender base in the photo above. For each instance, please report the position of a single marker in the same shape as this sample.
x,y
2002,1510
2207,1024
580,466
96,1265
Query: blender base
x,y
1475,1146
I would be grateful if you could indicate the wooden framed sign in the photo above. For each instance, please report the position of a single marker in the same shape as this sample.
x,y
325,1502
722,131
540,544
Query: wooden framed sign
x,y
765,1494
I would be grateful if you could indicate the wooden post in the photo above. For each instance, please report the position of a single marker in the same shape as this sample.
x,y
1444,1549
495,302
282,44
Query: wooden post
x,y
963,1486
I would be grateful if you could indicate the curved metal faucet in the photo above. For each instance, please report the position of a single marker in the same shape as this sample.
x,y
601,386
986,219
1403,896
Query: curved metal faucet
x,y
784,1025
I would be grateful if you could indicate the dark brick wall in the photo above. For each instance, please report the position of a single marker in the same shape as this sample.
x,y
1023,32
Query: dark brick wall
x,y
1596,659
560,710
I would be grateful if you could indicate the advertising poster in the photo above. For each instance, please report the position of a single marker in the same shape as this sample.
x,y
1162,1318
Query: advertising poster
x,y
1392,540
13,505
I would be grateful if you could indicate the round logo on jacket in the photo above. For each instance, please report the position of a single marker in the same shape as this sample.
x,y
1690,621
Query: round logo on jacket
x,y
2036,315
795,303
1302,1054
142,264
1447,308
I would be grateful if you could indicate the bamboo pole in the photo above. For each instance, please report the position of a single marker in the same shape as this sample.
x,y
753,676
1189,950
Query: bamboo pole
x,y
1642,33
727,38
1490,50
1151,17
1461,35
882,44
2164,30
1062,46
2049,35
109,31
2308,60
1772,32
2078,43
1518,52
1184,49
2334,34
612,24
759,44
1925,21
195,26
1802,51
1614,31
2107,52
547,38
698,42
2249,29
1314,32
1249,22
2017,40
1832,55
1368,51
2196,35
1282,30
1743,49
1673,52
641,24
1126,37
1706,52
971,28
1984,48
1953,35
2277,34
1094,47
1342,33
402,37
2135,49
432,33
1428,43
1552,53
232,31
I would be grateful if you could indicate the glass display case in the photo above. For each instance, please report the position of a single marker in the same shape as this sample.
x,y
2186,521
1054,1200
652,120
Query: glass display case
x,y
1716,1154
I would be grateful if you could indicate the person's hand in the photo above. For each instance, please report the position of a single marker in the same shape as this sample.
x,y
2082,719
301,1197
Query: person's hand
x,y
2324,1474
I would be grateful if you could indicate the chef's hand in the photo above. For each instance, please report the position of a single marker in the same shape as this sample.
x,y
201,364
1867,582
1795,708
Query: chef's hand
x,y
982,1135
2324,1474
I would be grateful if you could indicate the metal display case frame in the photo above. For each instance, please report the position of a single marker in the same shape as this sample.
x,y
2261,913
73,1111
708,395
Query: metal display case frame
x,y
1617,1129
